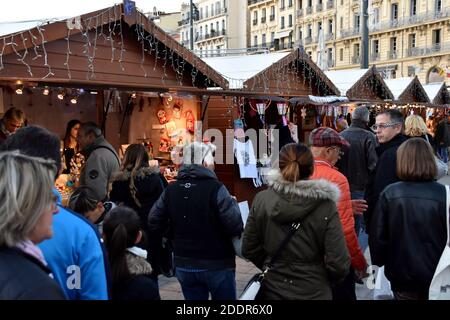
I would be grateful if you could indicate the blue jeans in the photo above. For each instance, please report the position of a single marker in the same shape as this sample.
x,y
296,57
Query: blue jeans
x,y
198,285
360,225
443,154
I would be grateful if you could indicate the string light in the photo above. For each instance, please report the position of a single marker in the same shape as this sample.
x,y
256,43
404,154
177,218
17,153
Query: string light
x,y
19,90
46,91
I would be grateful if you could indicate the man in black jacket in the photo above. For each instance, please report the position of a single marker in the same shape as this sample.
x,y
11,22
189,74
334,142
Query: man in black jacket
x,y
388,128
359,161
442,138
202,218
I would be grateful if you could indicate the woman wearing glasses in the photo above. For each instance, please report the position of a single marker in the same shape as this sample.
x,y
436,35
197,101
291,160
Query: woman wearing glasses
x,y
27,205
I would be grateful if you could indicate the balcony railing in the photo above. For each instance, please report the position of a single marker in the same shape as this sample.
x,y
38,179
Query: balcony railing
x,y
299,12
319,7
255,22
272,17
393,54
407,21
356,60
374,56
330,63
250,2
329,36
263,19
330,4
427,50
308,10
349,32
282,8
308,40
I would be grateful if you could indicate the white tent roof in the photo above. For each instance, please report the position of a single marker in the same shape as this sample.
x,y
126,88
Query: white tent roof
x,y
397,86
432,89
345,79
238,69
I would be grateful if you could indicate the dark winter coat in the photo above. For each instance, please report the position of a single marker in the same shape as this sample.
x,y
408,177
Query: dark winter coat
x,y
23,277
442,134
408,233
140,286
359,161
315,257
202,218
385,173
149,185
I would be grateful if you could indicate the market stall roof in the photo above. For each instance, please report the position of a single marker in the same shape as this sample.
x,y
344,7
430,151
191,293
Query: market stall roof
x,y
361,84
319,100
117,47
407,90
284,74
437,93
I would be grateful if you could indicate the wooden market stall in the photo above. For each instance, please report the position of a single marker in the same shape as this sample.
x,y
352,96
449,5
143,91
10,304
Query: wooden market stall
x,y
438,93
407,91
112,64
260,87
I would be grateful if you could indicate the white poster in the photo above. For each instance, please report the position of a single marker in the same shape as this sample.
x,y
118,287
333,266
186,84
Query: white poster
x,y
243,207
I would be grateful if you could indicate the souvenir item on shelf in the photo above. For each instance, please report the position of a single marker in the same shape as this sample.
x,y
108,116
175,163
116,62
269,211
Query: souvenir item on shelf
x,y
164,145
246,159
171,129
294,131
190,121
177,108
162,116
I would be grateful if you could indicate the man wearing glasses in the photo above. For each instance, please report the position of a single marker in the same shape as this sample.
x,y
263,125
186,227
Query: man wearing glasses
x,y
326,146
12,120
388,129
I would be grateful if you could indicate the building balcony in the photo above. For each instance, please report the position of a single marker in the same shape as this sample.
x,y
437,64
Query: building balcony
x,y
308,40
427,50
263,19
185,43
393,54
272,17
319,7
308,10
299,12
250,2
330,63
408,21
330,4
356,59
255,22
329,36
374,56
349,32
282,8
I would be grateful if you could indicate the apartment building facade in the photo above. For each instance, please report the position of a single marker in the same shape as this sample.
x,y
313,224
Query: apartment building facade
x,y
221,25
406,37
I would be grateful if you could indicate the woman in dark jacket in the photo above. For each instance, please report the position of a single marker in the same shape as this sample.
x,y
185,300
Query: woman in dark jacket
x,y
27,205
130,271
137,185
408,232
316,256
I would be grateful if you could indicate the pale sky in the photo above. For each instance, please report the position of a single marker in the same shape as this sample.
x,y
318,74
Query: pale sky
x,y
25,10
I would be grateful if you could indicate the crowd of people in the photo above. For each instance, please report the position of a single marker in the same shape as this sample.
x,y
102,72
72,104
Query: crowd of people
x,y
111,239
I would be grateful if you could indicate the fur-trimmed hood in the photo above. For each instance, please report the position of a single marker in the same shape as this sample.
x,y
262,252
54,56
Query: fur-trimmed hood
x,y
141,173
138,265
314,189
294,201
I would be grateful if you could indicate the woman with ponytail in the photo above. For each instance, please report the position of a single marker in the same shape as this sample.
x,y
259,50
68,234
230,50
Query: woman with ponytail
x,y
316,256
130,271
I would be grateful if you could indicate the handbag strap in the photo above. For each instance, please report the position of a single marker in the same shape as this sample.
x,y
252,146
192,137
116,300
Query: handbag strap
x,y
447,209
294,227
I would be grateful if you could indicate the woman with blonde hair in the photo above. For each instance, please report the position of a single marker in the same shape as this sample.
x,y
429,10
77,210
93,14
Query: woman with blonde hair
x,y
27,205
415,127
316,256
408,230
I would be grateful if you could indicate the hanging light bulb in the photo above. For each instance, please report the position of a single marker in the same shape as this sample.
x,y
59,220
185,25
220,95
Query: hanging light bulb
x,y
19,90
133,95
74,100
46,91
61,96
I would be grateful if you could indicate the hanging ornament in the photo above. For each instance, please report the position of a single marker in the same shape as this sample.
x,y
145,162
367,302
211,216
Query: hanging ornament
x,y
303,112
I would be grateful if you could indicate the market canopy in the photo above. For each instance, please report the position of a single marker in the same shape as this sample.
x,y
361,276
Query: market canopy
x,y
288,74
407,90
438,93
117,47
360,84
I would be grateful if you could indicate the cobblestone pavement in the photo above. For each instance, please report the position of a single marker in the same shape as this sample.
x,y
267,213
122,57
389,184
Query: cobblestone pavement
x,y
170,289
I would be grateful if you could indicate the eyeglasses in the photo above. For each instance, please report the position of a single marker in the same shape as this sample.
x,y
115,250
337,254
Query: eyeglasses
x,y
340,152
383,126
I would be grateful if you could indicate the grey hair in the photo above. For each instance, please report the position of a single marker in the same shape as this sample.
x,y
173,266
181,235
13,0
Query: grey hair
x,y
25,193
199,153
91,127
361,113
